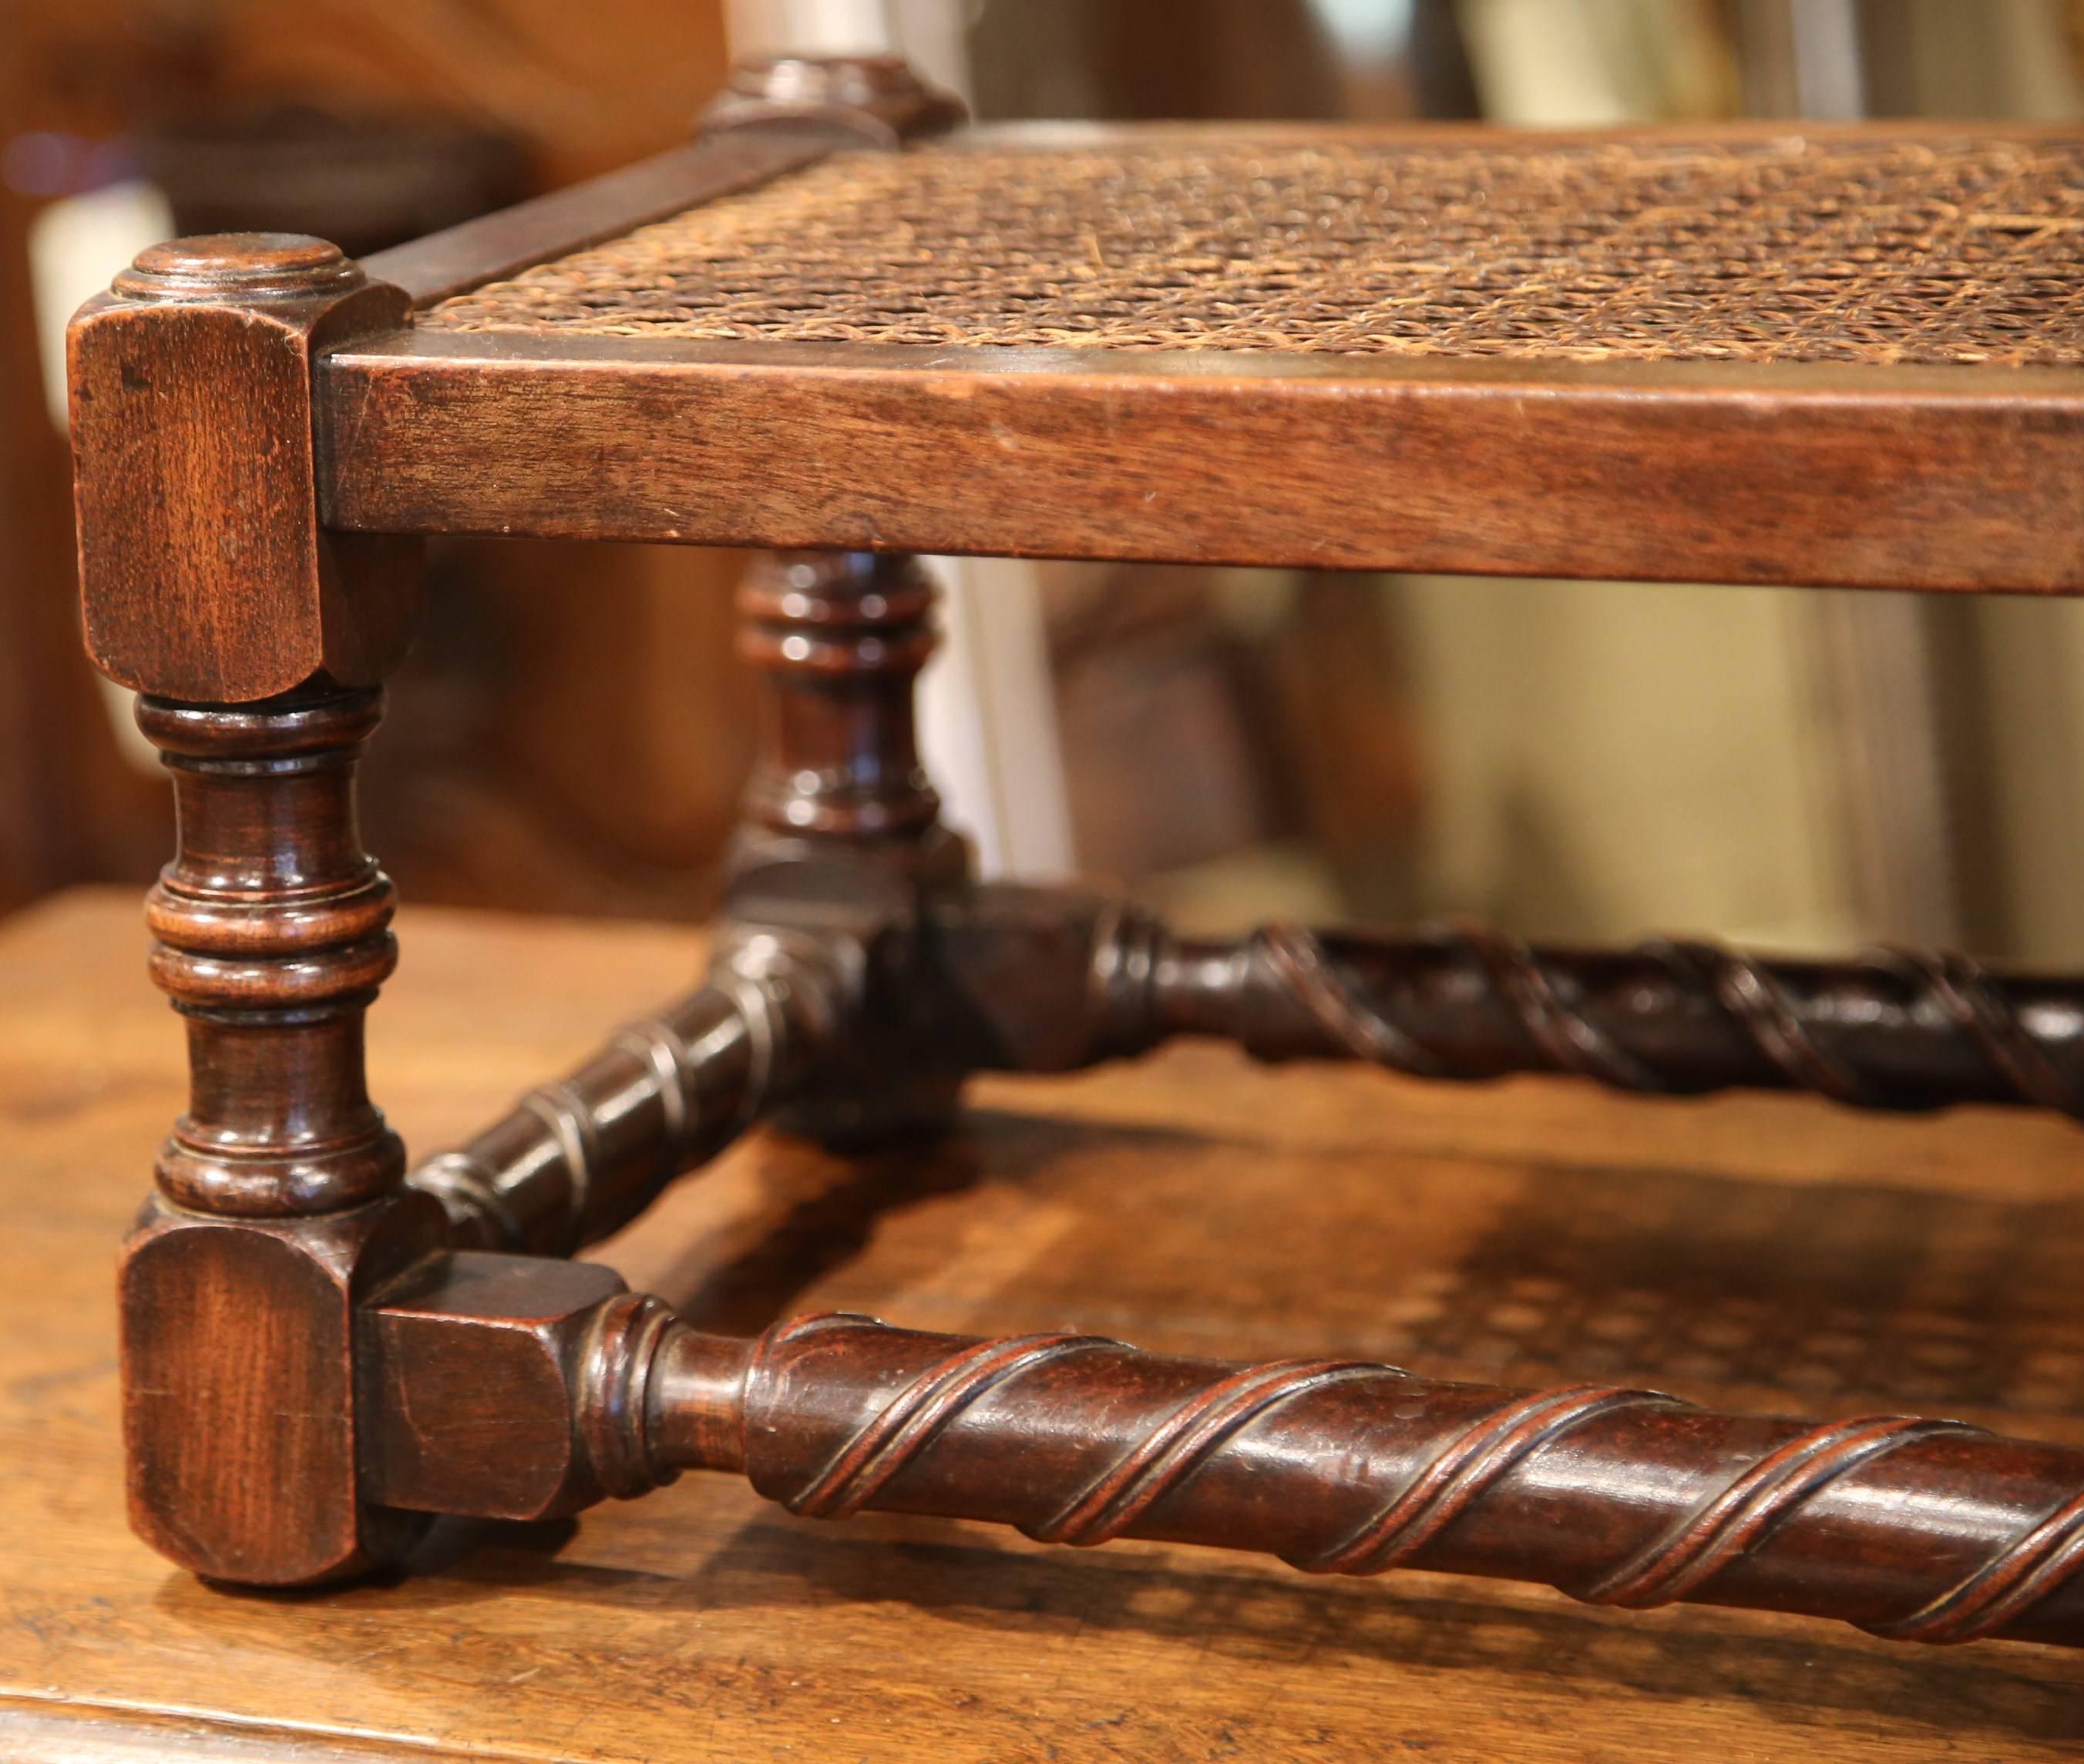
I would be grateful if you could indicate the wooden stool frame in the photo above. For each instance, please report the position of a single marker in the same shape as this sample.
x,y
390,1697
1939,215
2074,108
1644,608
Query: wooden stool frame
x,y
323,1348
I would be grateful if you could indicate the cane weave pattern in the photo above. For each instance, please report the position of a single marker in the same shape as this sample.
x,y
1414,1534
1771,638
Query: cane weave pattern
x,y
1854,249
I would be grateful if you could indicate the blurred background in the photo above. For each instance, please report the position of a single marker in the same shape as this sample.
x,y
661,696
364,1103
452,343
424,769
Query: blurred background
x,y
1576,761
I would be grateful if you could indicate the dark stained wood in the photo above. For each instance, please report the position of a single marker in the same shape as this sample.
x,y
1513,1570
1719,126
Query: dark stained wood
x,y
601,770
775,113
207,580
240,1423
274,934
203,571
1022,978
305,1360
842,845
281,1209
1940,478
492,245
1049,980
840,638
1918,1530
275,929
1764,1253
470,1371
578,1158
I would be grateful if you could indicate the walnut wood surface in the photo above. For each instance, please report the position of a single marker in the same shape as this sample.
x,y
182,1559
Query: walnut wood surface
x,y
1051,979
839,638
273,929
1762,1254
515,1387
278,1210
1773,473
1917,1529
460,257
204,573
579,1157
1939,478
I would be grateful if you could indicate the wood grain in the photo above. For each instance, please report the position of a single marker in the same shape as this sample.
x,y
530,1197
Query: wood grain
x,y
279,1206
1759,1252
1936,478
477,250
203,574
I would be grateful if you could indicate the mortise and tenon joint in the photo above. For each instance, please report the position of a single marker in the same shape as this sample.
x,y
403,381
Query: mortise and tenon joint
x,y
324,1347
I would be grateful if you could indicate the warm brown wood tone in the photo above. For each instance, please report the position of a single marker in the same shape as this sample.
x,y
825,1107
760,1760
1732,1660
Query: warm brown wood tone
x,y
280,1210
1940,478
313,1353
839,637
240,1421
491,1429
1050,980
203,569
1617,1495
1878,247
1762,1254
494,245
1006,977
1339,1465
273,930
1837,466
578,1158
606,786
1918,1530
605,727
842,848
775,113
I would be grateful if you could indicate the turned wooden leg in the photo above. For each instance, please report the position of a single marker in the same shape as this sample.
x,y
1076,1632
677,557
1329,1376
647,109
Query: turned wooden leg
x,y
821,1011
259,642
840,638
274,934
842,835
280,1204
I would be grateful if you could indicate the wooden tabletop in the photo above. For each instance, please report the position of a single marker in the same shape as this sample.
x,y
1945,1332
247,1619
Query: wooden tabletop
x,y
1759,1252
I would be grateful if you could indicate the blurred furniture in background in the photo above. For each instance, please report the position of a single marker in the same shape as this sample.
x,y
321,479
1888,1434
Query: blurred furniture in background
x,y
1292,775
521,780
69,805
1805,774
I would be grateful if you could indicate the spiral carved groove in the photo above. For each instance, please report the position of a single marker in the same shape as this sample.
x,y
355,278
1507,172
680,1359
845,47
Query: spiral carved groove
x,y
1924,1530
910,1422
2027,1571
1173,1450
1461,1474
1899,1028
1750,1506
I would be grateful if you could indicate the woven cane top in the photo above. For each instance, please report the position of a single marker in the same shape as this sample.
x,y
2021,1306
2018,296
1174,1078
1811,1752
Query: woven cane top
x,y
1854,249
